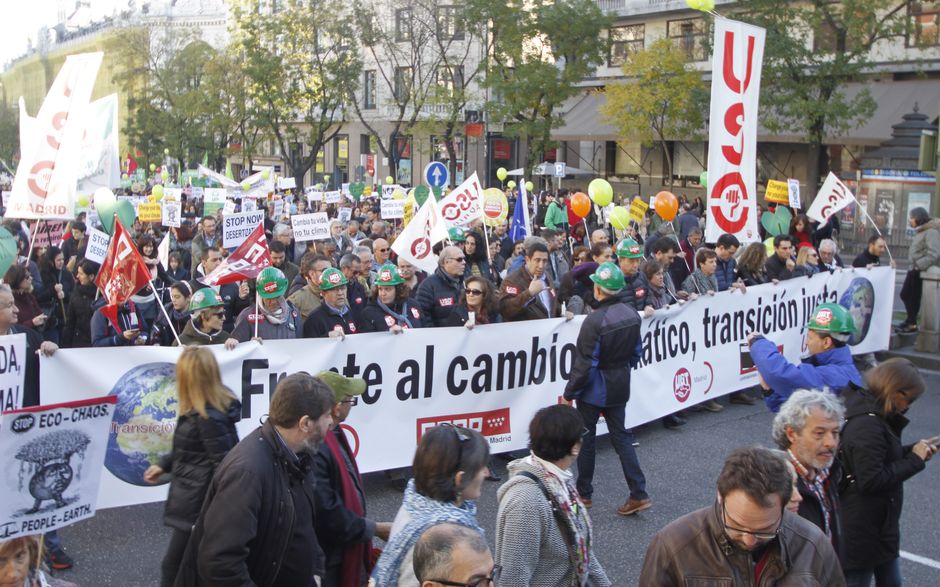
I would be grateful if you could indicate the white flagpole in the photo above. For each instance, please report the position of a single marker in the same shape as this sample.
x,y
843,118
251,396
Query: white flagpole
x,y
257,313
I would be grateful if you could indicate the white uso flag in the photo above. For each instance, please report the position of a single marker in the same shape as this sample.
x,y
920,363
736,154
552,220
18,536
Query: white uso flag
x,y
51,464
832,197
424,231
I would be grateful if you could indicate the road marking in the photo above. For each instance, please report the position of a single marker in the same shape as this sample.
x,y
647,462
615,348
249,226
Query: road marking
x,y
920,559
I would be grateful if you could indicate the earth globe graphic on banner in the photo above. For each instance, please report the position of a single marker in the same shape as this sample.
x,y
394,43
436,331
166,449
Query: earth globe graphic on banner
x,y
859,300
144,421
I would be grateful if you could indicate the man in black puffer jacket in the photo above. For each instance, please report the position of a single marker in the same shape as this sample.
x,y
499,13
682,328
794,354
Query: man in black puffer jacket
x,y
438,294
256,526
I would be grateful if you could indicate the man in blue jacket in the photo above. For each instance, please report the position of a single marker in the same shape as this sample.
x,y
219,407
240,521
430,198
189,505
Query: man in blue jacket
x,y
829,365
608,348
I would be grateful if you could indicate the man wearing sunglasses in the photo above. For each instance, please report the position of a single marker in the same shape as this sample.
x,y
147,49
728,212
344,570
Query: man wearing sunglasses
x,y
343,530
746,537
438,294
452,555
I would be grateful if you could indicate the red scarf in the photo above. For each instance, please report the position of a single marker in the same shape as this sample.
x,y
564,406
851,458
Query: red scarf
x,y
355,556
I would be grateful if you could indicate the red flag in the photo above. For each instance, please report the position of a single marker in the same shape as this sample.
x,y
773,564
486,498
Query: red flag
x,y
131,165
246,262
123,272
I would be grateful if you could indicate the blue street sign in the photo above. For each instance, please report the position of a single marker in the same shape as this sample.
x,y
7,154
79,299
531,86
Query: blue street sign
x,y
436,175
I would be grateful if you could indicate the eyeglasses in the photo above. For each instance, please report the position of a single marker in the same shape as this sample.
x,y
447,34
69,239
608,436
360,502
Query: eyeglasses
x,y
385,250
350,401
762,536
490,579
461,438
459,259
474,292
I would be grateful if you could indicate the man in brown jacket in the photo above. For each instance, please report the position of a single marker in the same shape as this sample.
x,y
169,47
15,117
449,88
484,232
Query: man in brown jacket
x,y
746,537
526,293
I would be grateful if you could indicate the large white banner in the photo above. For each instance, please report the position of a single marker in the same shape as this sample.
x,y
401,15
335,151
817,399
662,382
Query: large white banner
x,y
51,464
100,165
51,143
12,371
492,378
732,137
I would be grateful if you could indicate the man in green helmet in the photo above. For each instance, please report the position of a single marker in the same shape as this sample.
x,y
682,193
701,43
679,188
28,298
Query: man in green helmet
x,y
333,318
275,317
608,348
829,365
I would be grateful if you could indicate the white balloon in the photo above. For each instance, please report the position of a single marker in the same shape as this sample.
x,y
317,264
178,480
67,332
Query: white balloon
x,y
104,196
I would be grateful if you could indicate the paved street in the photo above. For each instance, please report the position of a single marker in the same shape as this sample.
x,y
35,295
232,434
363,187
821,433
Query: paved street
x,y
124,546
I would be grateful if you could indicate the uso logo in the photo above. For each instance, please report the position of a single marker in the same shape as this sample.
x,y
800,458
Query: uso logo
x,y
682,384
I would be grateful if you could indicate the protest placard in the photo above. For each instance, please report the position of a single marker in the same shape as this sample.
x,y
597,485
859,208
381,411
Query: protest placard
x,y
334,197
344,214
228,208
97,246
308,227
237,227
49,232
777,192
249,204
212,201
638,210
12,371
150,212
278,209
393,209
175,194
388,190
286,183
313,194
172,213
53,457
793,185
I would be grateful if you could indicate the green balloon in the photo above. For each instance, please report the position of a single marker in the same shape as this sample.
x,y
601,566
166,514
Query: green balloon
x,y
390,180
529,186
246,186
157,192
8,250
266,174
511,184
620,218
356,189
600,191
124,211
421,195
501,174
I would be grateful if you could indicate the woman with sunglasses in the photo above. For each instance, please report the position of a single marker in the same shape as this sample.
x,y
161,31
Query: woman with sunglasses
x,y
477,299
449,467
205,432
207,314
876,465
543,530
391,309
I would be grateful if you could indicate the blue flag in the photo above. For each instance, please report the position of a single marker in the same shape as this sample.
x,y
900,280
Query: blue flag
x,y
517,227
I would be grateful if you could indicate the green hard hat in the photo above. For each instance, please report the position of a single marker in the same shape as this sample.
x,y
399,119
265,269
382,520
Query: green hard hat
x,y
331,279
388,275
608,276
205,297
271,283
630,249
831,318
457,235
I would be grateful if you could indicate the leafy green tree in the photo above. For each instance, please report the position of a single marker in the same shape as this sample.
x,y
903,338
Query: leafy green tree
x,y
662,98
541,49
9,136
300,69
813,49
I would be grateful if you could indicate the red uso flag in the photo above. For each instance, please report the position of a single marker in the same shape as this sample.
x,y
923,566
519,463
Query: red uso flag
x,y
123,272
732,136
832,197
246,262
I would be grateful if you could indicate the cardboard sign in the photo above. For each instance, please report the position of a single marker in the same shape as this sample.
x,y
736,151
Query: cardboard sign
x,y
172,213
388,190
286,183
228,208
278,210
345,214
237,227
393,209
308,227
175,194
334,197
150,212
213,201
313,194
777,192
97,246
249,204
794,191
638,210
53,459
12,371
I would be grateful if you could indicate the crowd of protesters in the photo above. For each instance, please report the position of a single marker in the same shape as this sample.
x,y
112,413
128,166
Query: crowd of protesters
x,y
287,503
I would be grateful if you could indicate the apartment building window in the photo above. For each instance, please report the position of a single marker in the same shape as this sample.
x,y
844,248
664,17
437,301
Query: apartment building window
x,y
403,24
449,79
690,35
402,83
341,149
925,24
449,25
625,41
368,89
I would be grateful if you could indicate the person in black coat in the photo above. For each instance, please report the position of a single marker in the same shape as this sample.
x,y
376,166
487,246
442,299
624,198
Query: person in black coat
x,y
205,432
391,308
76,332
876,465
256,526
57,288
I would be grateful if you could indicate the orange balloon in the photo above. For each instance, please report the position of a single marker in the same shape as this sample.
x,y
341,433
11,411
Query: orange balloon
x,y
666,205
580,204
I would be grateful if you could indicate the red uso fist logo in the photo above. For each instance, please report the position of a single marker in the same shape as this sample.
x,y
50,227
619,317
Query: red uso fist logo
x,y
421,248
38,179
385,276
824,317
682,384
335,278
450,212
